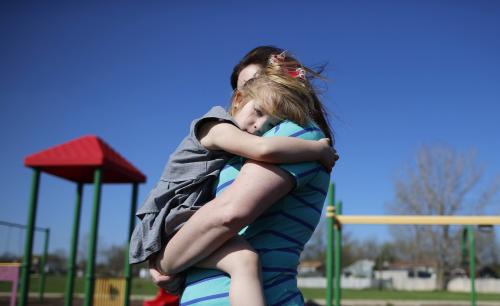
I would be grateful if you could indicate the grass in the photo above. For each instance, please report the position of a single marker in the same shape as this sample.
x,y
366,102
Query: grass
x,y
373,294
57,284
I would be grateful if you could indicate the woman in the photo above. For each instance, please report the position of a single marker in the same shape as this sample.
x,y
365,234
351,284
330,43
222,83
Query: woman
x,y
281,203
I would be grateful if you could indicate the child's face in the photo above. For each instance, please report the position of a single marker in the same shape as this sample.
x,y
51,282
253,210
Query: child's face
x,y
252,118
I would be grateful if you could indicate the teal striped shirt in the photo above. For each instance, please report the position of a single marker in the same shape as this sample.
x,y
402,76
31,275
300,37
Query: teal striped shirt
x,y
278,235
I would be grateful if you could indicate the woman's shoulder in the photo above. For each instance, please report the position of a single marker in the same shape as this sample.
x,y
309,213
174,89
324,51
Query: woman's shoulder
x,y
309,131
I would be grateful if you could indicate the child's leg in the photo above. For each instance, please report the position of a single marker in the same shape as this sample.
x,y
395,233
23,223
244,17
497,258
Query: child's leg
x,y
237,258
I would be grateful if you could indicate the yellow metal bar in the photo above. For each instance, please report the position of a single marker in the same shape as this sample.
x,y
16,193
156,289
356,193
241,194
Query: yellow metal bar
x,y
330,211
417,220
10,264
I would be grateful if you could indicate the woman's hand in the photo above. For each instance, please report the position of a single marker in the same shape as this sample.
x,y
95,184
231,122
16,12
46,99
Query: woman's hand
x,y
328,155
171,283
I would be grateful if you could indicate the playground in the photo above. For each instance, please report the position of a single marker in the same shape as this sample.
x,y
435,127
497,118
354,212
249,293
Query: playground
x,y
83,160
396,76
143,290
96,162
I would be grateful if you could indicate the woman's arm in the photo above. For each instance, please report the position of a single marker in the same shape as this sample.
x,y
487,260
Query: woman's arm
x,y
255,189
229,138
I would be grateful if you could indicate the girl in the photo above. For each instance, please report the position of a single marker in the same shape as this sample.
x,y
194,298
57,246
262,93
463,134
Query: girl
x,y
277,94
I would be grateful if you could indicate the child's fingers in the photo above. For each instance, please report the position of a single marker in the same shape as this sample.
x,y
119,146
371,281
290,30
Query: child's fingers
x,y
325,141
171,283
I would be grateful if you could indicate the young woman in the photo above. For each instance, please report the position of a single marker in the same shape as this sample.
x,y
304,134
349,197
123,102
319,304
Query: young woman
x,y
281,203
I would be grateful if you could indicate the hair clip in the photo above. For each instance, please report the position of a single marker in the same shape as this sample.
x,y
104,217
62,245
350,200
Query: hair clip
x,y
277,59
298,73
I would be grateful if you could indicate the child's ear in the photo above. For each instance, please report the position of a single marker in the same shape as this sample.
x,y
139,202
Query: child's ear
x,y
237,99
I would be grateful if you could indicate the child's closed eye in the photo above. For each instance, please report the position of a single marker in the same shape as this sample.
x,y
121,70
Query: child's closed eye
x,y
258,112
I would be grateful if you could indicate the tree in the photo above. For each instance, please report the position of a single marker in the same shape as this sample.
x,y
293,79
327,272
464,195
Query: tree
x,y
113,262
386,255
57,262
315,249
352,249
486,247
441,181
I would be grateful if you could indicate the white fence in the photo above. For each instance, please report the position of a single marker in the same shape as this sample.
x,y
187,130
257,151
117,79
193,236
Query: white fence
x,y
349,282
399,282
485,285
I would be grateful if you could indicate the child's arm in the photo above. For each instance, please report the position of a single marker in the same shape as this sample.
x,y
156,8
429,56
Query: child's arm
x,y
229,138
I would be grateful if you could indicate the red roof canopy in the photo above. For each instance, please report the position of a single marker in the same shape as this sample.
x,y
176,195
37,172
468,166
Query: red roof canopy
x,y
77,159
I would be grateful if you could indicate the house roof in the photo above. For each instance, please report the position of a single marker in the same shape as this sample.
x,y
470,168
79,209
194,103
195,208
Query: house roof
x,y
361,268
77,159
310,263
403,265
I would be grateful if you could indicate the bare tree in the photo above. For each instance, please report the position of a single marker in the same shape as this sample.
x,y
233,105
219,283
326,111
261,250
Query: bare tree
x,y
114,260
358,249
441,181
315,248
487,248
352,249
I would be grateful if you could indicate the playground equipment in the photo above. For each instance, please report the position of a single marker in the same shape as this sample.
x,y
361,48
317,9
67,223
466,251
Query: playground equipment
x,y
8,266
335,220
109,292
83,160
10,272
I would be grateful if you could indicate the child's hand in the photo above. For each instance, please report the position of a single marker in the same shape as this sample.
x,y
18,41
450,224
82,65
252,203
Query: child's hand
x,y
171,283
328,155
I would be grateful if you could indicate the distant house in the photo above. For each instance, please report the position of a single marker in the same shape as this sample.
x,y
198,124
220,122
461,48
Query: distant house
x,y
308,268
483,272
399,275
408,276
360,269
414,269
359,275
487,272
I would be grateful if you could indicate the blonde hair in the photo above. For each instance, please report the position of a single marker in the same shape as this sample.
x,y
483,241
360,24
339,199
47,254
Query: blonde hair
x,y
260,56
284,95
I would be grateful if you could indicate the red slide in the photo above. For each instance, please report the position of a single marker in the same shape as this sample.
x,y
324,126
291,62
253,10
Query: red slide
x,y
163,299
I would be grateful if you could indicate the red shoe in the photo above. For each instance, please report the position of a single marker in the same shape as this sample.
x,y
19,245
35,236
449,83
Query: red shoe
x,y
163,299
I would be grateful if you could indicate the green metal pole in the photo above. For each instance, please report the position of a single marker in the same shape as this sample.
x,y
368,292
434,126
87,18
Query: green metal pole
x,y
128,272
463,247
330,209
70,278
89,271
44,262
472,265
28,243
338,256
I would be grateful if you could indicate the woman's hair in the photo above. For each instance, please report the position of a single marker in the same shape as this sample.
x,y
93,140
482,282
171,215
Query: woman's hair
x,y
309,107
258,56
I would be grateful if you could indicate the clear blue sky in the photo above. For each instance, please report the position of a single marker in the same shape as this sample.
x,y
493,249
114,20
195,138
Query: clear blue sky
x,y
401,74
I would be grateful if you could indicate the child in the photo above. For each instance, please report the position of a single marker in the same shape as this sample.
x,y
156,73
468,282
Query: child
x,y
189,175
